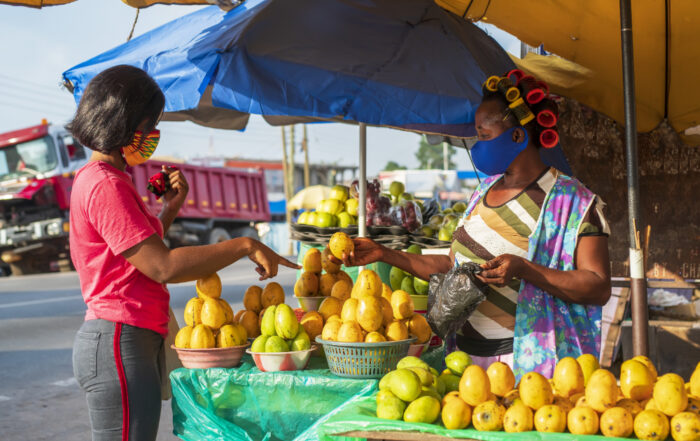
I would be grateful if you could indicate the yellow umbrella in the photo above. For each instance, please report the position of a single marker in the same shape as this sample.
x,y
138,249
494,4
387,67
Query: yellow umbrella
x,y
586,34
600,58
307,198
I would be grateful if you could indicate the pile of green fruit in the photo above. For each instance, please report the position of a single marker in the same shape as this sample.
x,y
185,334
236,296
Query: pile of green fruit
x,y
414,391
444,223
339,210
280,331
399,279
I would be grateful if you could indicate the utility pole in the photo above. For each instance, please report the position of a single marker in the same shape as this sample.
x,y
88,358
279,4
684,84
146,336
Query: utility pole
x,y
445,157
305,146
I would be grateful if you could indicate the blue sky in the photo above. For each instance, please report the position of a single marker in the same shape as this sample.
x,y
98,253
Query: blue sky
x,y
38,45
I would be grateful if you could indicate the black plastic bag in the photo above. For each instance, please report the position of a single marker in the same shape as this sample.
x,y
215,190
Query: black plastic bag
x,y
453,297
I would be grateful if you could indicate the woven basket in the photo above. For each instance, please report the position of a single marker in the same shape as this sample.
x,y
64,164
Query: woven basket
x,y
364,360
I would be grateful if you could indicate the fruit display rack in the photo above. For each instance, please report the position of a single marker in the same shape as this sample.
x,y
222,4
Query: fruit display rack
x,y
395,237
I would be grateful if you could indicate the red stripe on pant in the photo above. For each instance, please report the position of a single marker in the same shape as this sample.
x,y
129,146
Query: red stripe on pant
x,y
122,381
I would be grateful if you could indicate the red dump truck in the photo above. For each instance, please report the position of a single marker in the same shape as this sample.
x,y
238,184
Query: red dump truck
x,y
37,165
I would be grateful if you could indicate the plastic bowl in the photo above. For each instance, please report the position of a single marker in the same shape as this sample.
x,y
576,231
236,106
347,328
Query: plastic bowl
x,y
417,349
310,303
211,358
282,361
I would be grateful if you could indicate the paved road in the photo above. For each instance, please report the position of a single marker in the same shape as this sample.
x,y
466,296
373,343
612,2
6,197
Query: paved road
x,y
39,315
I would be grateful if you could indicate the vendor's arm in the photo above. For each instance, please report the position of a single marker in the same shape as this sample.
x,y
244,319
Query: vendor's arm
x,y
164,265
173,199
588,284
422,266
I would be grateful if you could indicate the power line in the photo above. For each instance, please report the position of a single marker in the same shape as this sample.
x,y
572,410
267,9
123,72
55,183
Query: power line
x,y
44,100
29,82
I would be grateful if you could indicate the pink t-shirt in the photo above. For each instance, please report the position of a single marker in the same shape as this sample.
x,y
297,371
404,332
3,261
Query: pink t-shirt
x,y
107,217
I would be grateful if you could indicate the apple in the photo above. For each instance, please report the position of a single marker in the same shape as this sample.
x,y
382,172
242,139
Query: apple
x,y
311,219
319,205
421,286
449,218
340,193
303,218
436,220
351,206
324,220
459,207
396,188
445,235
452,225
344,219
414,249
427,231
405,197
447,211
332,206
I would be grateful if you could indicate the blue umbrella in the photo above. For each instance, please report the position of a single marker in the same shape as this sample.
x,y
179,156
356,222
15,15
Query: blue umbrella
x,y
407,64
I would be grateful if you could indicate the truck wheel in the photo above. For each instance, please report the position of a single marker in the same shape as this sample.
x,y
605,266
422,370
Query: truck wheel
x,y
246,231
218,235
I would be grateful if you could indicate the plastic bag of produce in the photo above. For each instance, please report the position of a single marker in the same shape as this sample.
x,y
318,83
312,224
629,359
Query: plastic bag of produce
x,y
408,215
453,297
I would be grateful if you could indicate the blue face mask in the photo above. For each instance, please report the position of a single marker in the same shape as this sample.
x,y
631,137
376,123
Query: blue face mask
x,y
495,155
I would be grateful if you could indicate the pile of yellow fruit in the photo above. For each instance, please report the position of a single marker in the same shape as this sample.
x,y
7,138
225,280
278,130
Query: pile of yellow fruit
x,y
209,319
315,282
580,397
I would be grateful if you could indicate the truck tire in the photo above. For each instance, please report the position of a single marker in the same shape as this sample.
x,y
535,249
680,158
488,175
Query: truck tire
x,y
218,235
246,231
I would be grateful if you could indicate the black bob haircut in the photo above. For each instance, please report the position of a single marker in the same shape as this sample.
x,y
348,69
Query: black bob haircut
x,y
114,104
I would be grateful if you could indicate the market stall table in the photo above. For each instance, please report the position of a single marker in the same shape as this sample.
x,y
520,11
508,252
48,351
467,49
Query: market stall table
x,y
244,403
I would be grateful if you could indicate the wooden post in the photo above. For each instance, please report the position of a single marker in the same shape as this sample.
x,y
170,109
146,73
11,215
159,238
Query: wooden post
x,y
305,146
287,190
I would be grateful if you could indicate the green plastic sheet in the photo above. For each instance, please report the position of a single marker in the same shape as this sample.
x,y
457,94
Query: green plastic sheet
x,y
360,415
246,404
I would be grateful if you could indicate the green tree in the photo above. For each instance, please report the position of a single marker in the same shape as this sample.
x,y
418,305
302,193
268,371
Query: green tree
x,y
431,156
392,165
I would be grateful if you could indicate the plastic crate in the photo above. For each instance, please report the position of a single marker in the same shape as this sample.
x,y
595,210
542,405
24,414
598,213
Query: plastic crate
x,y
364,360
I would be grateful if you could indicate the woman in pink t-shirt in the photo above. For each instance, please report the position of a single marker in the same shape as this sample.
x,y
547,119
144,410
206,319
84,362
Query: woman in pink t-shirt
x,y
117,248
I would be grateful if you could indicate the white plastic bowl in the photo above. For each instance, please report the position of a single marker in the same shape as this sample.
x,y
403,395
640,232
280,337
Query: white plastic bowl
x,y
310,303
282,361
417,349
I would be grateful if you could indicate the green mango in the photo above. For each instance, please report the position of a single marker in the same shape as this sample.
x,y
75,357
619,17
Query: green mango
x,y
301,342
411,361
407,285
450,381
405,384
420,286
286,324
426,378
259,344
396,275
276,344
414,249
457,362
267,325
425,409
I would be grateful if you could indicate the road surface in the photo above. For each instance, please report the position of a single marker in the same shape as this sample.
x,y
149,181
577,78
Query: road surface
x,y
39,315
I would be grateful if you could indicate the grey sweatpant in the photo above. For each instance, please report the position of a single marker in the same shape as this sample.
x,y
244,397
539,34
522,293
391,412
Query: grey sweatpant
x,y
119,368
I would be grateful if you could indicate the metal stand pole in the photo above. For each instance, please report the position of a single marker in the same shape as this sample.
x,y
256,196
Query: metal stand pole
x,y
640,319
361,209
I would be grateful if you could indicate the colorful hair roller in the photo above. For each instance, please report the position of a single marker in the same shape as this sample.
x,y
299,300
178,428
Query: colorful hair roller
x,y
521,111
549,138
510,92
548,115
544,86
517,73
531,90
491,83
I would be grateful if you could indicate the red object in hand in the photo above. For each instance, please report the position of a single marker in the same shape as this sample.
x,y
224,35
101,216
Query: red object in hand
x,y
159,184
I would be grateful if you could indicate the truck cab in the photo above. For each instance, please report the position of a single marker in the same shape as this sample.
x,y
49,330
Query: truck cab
x,y
37,165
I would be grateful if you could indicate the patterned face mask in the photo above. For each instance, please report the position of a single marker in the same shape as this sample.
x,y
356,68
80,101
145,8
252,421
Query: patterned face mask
x,y
141,148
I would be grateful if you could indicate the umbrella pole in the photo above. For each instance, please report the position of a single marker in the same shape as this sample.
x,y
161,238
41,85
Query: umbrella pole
x,y
362,208
640,319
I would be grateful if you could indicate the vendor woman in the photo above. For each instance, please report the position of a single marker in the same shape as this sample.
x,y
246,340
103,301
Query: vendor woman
x,y
540,237
117,247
